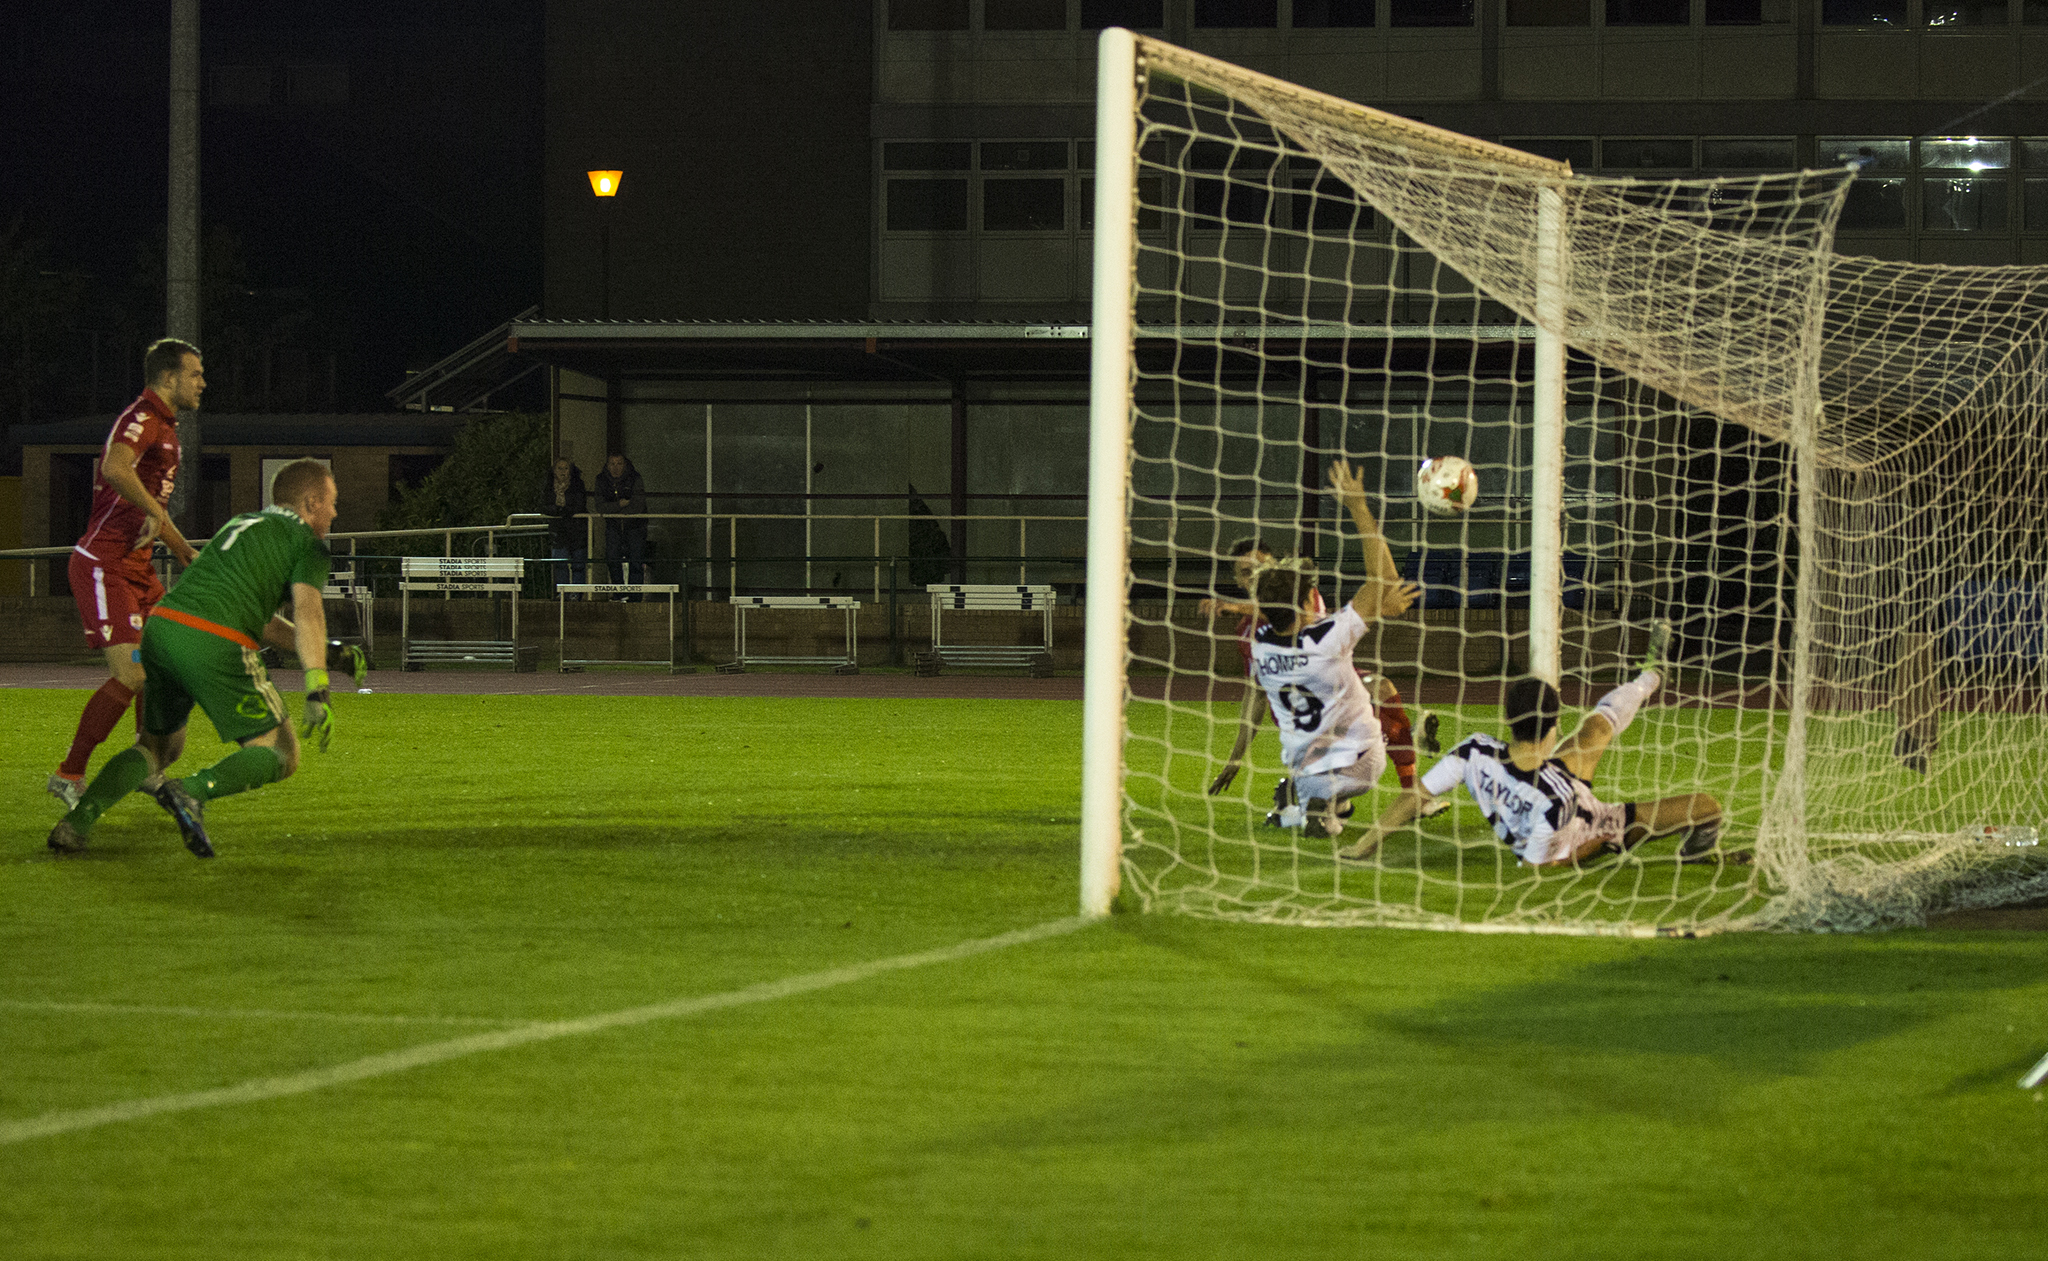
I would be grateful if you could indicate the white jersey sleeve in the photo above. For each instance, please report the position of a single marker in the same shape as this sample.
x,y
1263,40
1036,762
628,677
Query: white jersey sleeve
x,y
1541,814
1324,715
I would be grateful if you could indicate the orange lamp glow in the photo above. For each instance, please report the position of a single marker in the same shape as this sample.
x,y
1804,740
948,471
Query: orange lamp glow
x,y
605,183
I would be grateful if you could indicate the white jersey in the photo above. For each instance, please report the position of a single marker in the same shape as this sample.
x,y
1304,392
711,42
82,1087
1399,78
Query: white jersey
x,y
1543,815
1325,717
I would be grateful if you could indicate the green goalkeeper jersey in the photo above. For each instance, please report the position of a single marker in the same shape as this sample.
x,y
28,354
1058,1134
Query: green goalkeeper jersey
x,y
248,569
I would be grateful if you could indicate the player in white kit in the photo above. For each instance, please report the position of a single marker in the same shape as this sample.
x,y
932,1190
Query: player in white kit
x,y
1330,736
1537,791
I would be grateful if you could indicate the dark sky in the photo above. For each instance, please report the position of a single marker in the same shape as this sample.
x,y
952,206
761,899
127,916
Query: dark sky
x,y
376,166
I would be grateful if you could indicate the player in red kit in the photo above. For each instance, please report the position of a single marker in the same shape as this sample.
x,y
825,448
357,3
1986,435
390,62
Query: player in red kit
x,y
111,577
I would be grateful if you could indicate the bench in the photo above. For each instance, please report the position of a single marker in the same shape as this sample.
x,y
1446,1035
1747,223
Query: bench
x,y
989,598
489,575
596,590
742,605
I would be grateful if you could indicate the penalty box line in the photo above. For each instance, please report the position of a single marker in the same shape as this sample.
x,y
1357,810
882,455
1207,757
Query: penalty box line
x,y
261,1088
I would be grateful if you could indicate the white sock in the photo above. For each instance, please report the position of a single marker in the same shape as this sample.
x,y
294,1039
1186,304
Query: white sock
x,y
1620,705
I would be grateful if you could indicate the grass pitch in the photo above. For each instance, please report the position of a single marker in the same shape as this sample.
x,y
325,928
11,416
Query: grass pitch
x,y
1148,1087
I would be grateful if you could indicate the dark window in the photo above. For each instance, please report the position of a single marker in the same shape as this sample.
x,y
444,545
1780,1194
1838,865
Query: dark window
x,y
1962,205
1330,206
2034,11
1550,13
1862,12
927,15
1232,198
241,87
1316,14
1254,13
1649,12
1024,155
1577,152
1429,12
1024,15
317,83
1875,204
1084,155
2034,153
1873,153
1138,14
1964,12
1748,155
927,155
1024,205
927,205
1736,13
2037,206
1646,155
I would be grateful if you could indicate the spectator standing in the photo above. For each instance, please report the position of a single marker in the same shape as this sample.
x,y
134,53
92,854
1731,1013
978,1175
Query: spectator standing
x,y
622,497
563,498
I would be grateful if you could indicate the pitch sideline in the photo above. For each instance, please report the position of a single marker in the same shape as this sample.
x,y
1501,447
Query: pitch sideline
x,y
259,1089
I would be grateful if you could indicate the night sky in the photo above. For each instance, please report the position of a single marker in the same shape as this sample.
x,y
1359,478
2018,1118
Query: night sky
x,y
370,186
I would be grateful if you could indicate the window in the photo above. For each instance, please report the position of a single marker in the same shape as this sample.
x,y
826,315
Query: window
x,y
927,205
1325,204
1862,12
1024,15
1323,14
1137,14
1964,12
2037,205
1879,153
1244,13
1750,154
1631,154
927,15
241,87
1024,155
1024,205
927,155
1550,13
1962,205
318,83
1429,12
1966,153
1649,12
1875,204
1577,152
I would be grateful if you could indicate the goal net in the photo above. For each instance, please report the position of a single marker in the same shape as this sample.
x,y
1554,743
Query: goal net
x,y
1822,472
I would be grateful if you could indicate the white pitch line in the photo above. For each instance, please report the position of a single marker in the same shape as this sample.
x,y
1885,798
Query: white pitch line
x,y
261,1088
246,1013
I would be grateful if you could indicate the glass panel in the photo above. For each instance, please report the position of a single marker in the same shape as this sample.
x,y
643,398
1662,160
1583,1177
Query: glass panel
x,y
1885,153
1964,12
2037,206
1879,203
2034,11
1084,154
1329,205
927,155
1024,155
1637,155
1318,14
927,206
1137,14
1966,153
1024,15
1577,152
1254,13
1214,197
1862,12
1962,205
1649,12
927,15
1749,155
1549,13
1734,12
1024,205
1429,12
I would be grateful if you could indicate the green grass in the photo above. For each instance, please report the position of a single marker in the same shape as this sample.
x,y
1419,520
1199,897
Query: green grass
x,y
1154,1086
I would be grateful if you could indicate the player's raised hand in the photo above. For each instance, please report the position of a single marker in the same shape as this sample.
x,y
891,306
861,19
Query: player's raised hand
x,y
1345,479
1391,599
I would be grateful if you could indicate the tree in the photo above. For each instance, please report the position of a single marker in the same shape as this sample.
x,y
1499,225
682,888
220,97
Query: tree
x,y
494,471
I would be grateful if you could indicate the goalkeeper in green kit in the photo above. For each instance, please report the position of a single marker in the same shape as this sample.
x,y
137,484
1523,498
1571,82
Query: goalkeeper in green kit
x,y
200,646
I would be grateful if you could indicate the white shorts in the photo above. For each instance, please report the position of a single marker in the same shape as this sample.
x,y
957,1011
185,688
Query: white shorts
x,y
1594,821
1345,782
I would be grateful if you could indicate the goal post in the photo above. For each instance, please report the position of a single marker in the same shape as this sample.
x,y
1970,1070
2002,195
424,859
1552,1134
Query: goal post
x,y
1683,408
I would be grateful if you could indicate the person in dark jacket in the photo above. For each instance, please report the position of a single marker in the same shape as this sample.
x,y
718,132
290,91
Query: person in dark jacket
x,y
562,500
620,491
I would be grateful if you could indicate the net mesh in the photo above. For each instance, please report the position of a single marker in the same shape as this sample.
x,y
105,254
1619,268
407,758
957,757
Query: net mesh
x,y
1318,283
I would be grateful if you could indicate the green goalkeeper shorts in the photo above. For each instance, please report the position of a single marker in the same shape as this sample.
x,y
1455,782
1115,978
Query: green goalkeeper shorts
x,y
186,667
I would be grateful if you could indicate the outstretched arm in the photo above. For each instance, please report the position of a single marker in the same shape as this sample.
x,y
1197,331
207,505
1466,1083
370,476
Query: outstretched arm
x,y
1247,727
1399,814
1383,593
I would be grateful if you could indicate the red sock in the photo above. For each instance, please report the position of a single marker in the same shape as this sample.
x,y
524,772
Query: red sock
x,y
101,713
1400,737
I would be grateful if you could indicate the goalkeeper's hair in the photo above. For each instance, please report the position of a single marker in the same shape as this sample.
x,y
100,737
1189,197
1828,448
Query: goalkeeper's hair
x,y
1531,707
298,479
1245,547
1281,587
164,357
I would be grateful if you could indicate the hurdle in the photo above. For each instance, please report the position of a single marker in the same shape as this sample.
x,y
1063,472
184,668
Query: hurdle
x,y
576,665
988,598
846,663
491,575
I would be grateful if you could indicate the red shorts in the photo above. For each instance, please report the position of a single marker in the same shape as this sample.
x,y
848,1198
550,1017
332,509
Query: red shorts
x,y
113,600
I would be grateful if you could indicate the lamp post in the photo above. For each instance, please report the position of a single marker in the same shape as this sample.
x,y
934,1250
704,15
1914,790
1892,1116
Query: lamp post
x,y
605,185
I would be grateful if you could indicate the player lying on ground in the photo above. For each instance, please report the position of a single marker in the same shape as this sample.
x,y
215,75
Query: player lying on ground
x,y
1246,556
1537,792
200,646
111,576
1330,739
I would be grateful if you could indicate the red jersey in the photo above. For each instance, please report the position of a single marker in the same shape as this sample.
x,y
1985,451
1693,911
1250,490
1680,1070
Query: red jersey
x,y
117,528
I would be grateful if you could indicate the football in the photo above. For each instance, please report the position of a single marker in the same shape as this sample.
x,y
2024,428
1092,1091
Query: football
x,y
1447,485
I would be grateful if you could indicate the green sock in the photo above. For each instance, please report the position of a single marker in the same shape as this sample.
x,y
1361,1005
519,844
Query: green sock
x,y
116,780
238,772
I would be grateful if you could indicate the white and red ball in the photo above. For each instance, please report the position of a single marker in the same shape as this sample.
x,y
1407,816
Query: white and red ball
x,y
1447,485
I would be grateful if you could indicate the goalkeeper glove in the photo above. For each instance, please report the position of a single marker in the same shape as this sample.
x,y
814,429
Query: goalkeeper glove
x,y
348,657
319,715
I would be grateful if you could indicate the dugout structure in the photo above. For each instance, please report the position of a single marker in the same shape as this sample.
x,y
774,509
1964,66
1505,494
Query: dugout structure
x,y
1822,470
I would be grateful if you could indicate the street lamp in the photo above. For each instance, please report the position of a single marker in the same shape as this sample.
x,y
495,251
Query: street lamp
x,y
605,185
